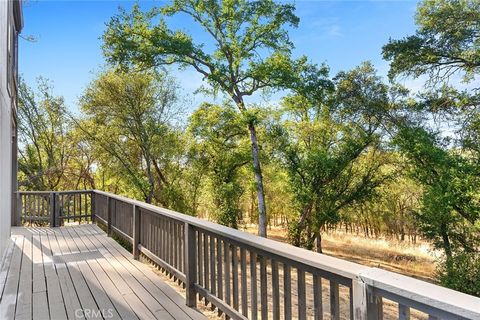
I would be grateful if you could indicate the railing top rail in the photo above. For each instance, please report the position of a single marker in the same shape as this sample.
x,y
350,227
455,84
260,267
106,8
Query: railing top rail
x,y
423,292
58,192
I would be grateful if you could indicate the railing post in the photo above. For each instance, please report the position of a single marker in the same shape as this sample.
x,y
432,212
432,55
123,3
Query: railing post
x,y
359,297
58,209
109,216
52,209
17,220
190,265
92,206
366,306
136,232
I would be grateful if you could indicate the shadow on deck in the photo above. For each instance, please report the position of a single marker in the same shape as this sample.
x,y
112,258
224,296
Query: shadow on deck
x,y
77,272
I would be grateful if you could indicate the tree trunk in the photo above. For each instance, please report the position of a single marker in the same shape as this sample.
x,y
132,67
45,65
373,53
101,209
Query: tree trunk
x,y
446,242
262,209
319,242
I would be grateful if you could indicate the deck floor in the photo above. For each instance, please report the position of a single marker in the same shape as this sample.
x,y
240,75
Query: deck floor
x,y
77,272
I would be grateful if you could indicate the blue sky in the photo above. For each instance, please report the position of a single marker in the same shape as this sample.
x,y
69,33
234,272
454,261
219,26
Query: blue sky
x,y
67,49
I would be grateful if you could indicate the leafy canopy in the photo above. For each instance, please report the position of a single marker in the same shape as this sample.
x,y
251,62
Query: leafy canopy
x,y
447,41
251,47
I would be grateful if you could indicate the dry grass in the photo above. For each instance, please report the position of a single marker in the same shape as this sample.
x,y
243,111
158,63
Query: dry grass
x,y
414,260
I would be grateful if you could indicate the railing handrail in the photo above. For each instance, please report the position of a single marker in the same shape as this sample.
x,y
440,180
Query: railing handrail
x,y
421,295
422,292
58,192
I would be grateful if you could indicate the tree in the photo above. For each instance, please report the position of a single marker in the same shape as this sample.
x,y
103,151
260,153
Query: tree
x,y
446,44
330,149
251,52
223,151
44,138
128,119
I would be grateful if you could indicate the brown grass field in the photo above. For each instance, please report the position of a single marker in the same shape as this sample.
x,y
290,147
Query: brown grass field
x,y
414,260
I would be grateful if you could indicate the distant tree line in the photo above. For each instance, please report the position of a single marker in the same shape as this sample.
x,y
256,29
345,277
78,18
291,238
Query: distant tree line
x,y
350,151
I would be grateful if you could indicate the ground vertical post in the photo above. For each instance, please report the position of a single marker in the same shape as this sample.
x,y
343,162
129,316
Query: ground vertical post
x,y
136,232
92,206
52,209
57,209
190,264
359,299
109,216
366,305
18,210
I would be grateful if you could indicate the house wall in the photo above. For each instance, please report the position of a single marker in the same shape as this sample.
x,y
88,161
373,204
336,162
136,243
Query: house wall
x,y
8,14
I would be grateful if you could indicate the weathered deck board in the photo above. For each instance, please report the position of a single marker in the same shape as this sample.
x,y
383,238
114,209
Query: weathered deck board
x,y
77,272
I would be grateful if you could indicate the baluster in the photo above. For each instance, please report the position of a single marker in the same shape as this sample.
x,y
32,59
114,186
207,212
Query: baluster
x,y
352,315
334,301
169,241
317,297
206,267
302,307
200,258
174,246
253,284
263,288
235,277
162,238
219,272
228,291
403,312
287,291
213,277
276,290
243,267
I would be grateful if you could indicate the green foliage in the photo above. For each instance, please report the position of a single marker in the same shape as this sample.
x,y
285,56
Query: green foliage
x,y
222,151
251,47
330,149
251,52
451,202
461,273
447,41
51,157
129,120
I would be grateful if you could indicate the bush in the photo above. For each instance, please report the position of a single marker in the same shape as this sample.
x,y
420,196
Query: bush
x,y
461,273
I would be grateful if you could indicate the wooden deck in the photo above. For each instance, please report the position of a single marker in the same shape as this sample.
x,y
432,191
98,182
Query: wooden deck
x,y
77,272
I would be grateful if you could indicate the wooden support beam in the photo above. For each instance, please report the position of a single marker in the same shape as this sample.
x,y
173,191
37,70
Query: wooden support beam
x,y
190,264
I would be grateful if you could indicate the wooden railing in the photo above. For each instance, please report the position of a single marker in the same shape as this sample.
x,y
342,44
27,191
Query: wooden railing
x,y
247,277
43,208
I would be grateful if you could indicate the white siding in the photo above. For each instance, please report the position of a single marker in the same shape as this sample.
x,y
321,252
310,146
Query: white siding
x,y
5,135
